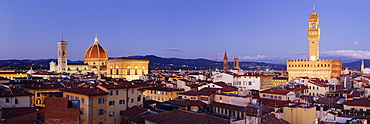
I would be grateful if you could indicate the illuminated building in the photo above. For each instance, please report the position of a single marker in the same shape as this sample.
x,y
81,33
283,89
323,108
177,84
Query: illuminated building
x,y
314,67
96,60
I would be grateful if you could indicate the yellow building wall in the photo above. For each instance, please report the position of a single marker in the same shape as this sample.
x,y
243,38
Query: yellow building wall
x,y
12,76
130,69
266,81
324,69
299,115
349,107
38,98
90,108
278,82
160,96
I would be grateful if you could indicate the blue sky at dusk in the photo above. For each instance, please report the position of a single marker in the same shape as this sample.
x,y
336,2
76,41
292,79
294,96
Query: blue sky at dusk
x,y
252,30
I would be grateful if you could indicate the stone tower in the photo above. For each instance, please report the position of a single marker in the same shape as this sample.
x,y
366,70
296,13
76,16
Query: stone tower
x,y
362,65
313,35
62,56
236,63
226,62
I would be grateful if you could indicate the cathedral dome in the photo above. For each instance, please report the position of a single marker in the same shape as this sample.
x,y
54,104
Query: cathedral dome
x,y
96,51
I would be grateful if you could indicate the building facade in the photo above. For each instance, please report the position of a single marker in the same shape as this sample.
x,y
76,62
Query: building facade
x,y
314,67
96,60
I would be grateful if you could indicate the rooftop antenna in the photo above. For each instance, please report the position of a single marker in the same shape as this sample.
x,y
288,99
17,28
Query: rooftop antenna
x,y
314,8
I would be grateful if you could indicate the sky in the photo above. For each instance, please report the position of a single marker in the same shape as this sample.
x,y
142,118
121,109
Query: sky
x,y
252,30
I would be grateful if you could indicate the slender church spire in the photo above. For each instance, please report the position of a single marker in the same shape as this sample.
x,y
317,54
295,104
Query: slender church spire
x,y
226,62
96,40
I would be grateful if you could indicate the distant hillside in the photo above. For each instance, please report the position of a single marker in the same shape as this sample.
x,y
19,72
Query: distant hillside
x,y
203,64
357,64
155,63
27,64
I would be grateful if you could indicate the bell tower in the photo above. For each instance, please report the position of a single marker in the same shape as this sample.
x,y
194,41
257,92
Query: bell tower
x,y
313,35
226,62
62,56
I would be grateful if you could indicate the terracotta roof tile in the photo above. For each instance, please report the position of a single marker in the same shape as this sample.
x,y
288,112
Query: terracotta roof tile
x,y
274,91
161,89
185,117
86,91
186,102
273,102
133,111
358,102
46,86
250,109
8,113
271,119
14,92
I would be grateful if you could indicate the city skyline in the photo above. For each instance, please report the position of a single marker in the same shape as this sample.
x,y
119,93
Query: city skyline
x,y
269,31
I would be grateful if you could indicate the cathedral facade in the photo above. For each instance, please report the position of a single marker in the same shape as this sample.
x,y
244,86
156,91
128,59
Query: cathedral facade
x,y
314,67
96,60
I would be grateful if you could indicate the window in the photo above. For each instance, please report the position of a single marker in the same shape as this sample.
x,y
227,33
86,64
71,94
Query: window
x,y
101,100
82,111
101,112
121,101
111,114
317,88
128,71
100,123
16,101
83,100
132,100
67,96
111,103
77,98
132,91
117,92
7,100
138,98
110,71
111,93
159,92
135,71
250,83
120,112
143,71
72,97
117,71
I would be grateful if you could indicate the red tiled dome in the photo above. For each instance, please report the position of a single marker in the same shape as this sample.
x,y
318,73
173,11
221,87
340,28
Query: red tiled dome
x,y
96,51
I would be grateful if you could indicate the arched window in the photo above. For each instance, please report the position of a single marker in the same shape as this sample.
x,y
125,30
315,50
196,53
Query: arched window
x,y
135,70
117,70
142,70
128,70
